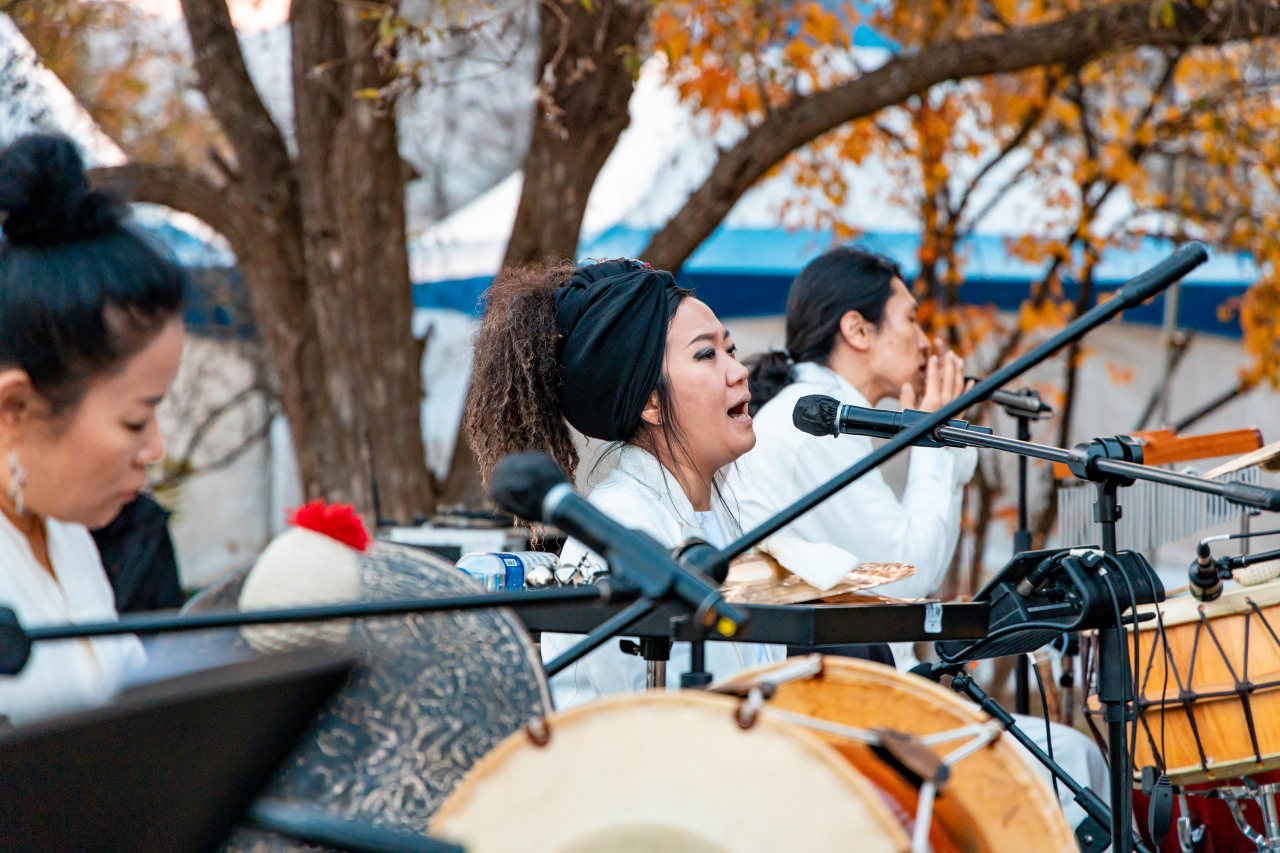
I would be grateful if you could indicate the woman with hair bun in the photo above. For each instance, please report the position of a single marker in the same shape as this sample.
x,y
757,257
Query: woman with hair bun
x,y
621,353
852,335
91,337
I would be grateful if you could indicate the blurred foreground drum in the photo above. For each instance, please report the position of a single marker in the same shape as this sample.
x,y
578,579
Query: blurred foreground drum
x,y
992,800
643,773
434,693
1210,679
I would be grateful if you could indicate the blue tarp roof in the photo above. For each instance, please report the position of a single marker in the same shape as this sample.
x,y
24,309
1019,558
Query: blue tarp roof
x,y
746,272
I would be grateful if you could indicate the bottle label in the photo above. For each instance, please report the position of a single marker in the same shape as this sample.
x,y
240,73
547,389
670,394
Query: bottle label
x,y
514,578
933,618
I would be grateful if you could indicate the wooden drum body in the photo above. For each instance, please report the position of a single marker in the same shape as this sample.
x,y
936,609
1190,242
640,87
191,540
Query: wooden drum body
x,y
666,773
993,801
1210,686
432,694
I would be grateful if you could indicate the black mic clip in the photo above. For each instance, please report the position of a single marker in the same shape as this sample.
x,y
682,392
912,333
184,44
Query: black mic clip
x,y
935,671
701,556
1206,574
908,418
1120,448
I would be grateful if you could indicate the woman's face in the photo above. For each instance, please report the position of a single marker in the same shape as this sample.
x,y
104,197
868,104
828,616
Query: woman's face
x,y
899,350
83,466
708,389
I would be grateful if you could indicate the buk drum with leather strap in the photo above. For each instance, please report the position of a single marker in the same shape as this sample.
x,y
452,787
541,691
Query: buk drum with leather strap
x,y
937,759
432,694
666,773
1210,685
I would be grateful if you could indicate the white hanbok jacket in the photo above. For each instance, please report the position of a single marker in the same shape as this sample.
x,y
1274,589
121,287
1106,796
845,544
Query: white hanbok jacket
x,y
865,518
641,494
66,675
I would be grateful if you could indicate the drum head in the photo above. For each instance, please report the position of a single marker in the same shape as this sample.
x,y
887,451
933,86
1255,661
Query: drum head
x,y
433,693
993,801
671,773
1234,601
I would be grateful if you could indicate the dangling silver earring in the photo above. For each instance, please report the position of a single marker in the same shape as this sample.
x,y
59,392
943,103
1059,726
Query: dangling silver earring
x,y
17,482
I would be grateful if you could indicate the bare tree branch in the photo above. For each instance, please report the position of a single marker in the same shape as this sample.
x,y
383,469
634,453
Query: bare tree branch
x,y
1029,123
187,471
224,79
1071,40
175,187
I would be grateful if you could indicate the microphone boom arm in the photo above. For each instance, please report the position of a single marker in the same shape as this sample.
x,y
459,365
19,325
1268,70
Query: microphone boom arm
x,y
1133,293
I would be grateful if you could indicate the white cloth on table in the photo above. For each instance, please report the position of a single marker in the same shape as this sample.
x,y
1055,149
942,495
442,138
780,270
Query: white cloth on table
x,y
63,675
641,494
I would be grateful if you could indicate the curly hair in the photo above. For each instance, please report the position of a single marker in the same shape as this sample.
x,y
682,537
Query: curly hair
x,y
513,403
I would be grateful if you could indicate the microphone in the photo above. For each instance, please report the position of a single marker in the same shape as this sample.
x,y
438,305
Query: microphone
x,y
1018,404
818,414
1207,574
532,486
1206,585
1036,578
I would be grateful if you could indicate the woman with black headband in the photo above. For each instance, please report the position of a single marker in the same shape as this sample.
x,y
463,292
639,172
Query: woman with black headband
x,y
624,355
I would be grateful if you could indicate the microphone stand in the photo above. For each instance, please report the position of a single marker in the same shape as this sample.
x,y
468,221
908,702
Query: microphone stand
x,y
16,639
1134,292
1113,657
1024,407
1111,463
1091,834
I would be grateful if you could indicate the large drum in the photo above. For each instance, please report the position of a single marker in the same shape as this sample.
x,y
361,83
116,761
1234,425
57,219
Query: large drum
x,y
643,773
1210,686
432,695
992,801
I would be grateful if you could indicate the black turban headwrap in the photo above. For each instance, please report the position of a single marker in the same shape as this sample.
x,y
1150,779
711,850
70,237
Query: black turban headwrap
x,y
612,318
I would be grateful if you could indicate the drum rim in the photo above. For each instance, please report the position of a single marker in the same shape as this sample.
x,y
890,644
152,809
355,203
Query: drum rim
x,y
1184,609
834,667
858,784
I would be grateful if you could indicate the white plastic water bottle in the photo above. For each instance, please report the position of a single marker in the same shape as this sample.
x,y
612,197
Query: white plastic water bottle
x,y
503,571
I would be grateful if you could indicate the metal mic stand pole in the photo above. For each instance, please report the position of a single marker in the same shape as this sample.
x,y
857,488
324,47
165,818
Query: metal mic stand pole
x,y
16,639
1021,543
962,682
1115,687
1023,406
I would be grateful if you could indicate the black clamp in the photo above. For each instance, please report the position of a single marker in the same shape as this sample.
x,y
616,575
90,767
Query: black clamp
x,y
1083,461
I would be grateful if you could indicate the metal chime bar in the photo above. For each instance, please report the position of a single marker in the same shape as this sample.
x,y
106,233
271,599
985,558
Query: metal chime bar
x,y
1154,514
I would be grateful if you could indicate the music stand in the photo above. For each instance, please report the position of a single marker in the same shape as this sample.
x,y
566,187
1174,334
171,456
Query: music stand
x,y
167,767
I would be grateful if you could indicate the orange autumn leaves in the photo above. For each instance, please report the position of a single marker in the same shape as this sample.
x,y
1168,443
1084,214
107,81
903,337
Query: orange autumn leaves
x,y
1141,143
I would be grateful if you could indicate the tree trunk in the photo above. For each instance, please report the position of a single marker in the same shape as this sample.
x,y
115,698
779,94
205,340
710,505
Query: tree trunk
x,y
587,62
352,195
321,247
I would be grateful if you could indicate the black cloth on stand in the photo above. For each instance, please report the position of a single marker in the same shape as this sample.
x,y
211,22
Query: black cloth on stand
x,y
874,652
138,556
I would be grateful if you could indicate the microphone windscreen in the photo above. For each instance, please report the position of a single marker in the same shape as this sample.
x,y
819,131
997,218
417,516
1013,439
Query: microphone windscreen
x,y
521,480
816,414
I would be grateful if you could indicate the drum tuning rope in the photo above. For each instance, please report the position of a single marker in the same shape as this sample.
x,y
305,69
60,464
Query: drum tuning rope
x,y
979,735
